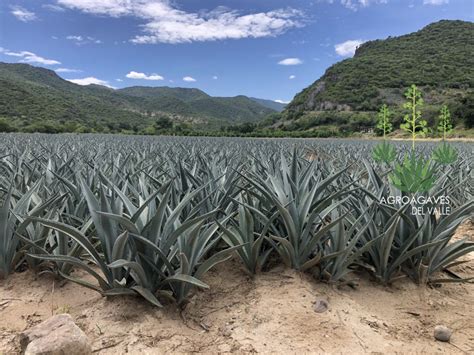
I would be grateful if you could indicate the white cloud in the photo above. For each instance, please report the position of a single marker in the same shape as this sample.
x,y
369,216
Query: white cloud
x,y
23,14
357,4
81,40
143,76
67,70
119,80
435,2
165,23
52,7
290,61
282,101
90,80
189,79
348,48
29,57
215,77
75,38
291,77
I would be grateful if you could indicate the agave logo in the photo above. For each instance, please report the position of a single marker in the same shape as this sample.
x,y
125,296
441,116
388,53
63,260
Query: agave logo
x,y
414,174
421,205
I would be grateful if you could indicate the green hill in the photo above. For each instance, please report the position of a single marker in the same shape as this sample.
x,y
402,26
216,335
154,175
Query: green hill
x,y
277,106
439,59
37,99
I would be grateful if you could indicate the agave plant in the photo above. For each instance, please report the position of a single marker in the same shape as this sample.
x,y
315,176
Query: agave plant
x,y
150,216
249,232
415,174
303,201
384,152
445,154
408,244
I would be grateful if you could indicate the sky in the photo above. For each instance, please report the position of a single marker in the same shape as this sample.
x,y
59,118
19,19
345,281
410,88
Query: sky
x,y
268,49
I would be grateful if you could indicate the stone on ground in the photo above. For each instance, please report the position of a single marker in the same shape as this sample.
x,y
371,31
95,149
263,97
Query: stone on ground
x,y
58,335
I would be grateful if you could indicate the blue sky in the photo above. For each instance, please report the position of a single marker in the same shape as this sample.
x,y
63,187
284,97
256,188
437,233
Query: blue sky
x,y
263,48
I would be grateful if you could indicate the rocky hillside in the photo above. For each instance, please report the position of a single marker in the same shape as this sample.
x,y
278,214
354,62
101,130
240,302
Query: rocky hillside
x,y
439,59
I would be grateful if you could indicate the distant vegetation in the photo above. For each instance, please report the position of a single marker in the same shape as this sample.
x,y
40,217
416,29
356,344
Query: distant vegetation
x,y
37,100
343,102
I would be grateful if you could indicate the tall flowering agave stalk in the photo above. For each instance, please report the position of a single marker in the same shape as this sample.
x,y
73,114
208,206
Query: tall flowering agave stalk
x,y
445,154
384,152
415,173
414,124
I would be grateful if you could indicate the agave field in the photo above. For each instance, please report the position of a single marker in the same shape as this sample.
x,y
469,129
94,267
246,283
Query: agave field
x,y
149,216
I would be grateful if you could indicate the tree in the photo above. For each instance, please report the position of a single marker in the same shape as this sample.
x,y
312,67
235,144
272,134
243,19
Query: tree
x,y
466,110
444,124
163,123
5,126
414,124
383,122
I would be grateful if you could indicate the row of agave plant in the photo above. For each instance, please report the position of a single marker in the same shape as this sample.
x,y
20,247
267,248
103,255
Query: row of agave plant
x,y
150,216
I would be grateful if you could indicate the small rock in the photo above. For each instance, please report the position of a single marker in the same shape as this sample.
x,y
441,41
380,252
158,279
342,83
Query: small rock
x,y
56,336
442,333
321,305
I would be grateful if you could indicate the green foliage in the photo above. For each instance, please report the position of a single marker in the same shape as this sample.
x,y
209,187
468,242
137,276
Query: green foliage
x,y
437,56
444,123
445,154
5,126
32,98
384,152
414,174
383,120
465,110
414,124
163,123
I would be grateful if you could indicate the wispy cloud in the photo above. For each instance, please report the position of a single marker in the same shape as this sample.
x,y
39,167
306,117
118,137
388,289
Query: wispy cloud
x,y
53,7
290,61
435,2
91,80
189,79
23,14
282,101
215,77
291,77
67,70
143,76
81,40
29,57
356,4
348,48
164,23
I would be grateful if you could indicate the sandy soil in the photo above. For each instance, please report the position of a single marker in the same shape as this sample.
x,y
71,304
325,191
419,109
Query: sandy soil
x,y
274,313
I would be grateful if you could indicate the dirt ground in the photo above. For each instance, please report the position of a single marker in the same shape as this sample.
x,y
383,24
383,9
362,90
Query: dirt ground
x,y
274,313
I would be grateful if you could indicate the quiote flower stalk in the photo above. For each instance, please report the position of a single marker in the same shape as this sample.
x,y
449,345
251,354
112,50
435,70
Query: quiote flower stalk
x,y
413,122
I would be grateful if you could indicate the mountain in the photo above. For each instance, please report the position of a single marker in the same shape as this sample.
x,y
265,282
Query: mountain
x,y
439,59
277,106
31,97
